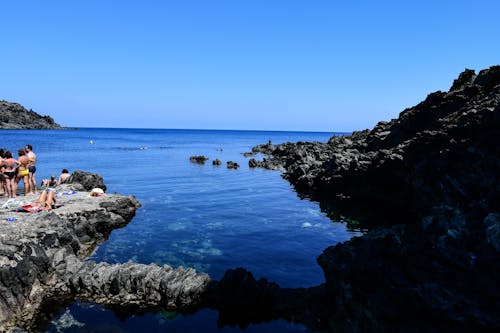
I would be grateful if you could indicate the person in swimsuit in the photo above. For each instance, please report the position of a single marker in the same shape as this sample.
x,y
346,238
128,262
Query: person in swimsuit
x,y
31,167
49,182
23,172
63,176
3,183
47,199
10,173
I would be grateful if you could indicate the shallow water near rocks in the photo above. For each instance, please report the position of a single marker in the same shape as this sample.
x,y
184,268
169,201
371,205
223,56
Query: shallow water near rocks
x,y
202,216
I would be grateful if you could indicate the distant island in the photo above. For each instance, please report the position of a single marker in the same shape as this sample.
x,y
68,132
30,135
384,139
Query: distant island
x,y
15,116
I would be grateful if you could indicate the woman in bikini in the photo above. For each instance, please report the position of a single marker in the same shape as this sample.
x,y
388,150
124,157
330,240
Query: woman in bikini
x,y
10,172
47,199
23,172
2,176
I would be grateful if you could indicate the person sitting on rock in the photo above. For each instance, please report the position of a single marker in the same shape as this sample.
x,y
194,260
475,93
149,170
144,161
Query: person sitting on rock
x,y
49,182
63,177
53,182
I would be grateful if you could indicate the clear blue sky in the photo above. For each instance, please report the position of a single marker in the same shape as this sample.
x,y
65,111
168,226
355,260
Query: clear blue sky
x,y
236,64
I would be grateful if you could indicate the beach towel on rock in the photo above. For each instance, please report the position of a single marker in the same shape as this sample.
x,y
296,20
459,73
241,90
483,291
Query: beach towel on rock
x,y
30,209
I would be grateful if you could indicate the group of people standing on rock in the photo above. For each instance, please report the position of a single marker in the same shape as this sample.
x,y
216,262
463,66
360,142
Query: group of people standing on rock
x,y
12,171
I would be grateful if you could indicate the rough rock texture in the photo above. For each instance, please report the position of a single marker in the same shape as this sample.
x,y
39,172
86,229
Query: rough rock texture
x,y
15,116
33,247
140,285
428,185
200,159
441,151
41,261
88,180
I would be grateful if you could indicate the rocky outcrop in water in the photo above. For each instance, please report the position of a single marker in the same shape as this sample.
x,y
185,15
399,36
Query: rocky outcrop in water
x,y
428,185
15,116
200,159
139,285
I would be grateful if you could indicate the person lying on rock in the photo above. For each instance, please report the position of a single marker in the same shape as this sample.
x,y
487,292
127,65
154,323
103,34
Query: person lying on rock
x,y
46,200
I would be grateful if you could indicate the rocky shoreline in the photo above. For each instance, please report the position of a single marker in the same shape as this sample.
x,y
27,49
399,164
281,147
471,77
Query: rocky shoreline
x,y
427,185
42,259
15,116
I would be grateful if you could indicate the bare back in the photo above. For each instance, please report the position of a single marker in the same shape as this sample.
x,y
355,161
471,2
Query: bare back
x,y
32,158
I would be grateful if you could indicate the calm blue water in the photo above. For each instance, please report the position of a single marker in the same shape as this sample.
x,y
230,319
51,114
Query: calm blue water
x,y
201,216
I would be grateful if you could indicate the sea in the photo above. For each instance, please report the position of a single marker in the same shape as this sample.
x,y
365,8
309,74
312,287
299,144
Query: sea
x,y
207,217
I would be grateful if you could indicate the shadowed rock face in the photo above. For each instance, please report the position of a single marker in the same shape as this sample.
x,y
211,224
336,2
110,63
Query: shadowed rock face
x,y
15,116
442,151
428,184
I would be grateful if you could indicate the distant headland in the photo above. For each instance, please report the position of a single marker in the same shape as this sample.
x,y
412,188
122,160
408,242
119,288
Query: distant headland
x,y
15,116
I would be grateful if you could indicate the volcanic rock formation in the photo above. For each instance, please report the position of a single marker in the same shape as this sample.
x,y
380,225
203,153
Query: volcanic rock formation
x,y
427,184
15,116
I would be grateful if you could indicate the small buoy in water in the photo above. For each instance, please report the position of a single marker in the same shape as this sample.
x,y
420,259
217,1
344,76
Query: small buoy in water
x,y
91,142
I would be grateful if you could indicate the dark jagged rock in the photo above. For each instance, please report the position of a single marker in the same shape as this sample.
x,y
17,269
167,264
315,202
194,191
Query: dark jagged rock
x,y
200,159
434,276
253,163
15,116
266,148
242,300
271,164
428,185
139,285
232,165
87,179
442,151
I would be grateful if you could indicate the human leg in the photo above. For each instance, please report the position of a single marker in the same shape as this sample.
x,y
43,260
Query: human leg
x,y
51,198
10,187
27,185
32,178
42,199
3,184
15,185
